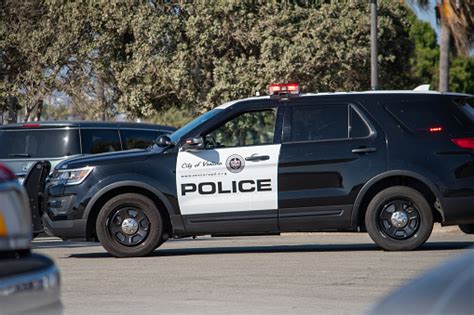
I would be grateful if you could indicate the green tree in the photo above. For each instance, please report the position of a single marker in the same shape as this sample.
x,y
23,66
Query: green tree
x,y
425,60
144,57
456,18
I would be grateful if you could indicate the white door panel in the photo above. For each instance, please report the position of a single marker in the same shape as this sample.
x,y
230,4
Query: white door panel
x,y
228,179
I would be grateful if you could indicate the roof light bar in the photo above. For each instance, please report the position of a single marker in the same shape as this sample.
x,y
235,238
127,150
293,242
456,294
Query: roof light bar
x,y
284,90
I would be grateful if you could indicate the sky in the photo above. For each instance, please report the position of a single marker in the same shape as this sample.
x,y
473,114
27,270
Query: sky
x,y
427,15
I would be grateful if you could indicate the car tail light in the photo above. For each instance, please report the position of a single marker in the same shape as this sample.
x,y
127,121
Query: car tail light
x,y
6,174
284,89
31,125
465,143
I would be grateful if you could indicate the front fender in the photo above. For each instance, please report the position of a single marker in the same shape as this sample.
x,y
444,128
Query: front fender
x,y
122,180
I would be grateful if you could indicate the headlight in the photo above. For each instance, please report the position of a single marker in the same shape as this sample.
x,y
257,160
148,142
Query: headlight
x,y
71,177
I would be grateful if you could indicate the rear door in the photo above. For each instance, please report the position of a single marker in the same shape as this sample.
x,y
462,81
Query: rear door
x,y
329,150
231,186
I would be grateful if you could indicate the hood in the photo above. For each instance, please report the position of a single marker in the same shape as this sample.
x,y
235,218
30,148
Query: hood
x,y
109,158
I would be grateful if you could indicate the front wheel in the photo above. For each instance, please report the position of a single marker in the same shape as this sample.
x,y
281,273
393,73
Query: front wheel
x,y
129,225
467,228
399,218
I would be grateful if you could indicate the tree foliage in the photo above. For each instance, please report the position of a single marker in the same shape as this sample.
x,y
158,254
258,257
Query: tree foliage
x,y
425,60
143,57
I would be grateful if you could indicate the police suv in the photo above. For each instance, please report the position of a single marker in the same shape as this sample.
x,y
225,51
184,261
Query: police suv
x,y
388,162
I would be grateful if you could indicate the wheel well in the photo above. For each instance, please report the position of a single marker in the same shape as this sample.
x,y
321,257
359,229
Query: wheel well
x,y
397,181
92,217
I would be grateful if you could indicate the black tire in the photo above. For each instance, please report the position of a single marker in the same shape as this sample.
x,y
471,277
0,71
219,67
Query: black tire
x,y
467,228
149,234
411,206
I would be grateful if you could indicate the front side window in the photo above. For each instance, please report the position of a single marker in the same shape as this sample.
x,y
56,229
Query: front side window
x,y
250,128
138,139
319,122
100,140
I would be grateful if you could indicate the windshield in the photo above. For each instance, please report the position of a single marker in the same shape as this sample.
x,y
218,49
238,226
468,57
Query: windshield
x,y
176,136
40,143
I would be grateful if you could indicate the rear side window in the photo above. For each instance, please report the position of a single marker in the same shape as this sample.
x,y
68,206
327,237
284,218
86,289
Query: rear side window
x,y
38,143
138,139
100,140
320,122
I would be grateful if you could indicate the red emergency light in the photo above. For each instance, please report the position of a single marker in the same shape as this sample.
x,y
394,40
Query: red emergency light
x,y
284,90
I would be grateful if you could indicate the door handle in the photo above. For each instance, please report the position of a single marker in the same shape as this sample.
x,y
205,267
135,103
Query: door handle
x,y
256,158
363,150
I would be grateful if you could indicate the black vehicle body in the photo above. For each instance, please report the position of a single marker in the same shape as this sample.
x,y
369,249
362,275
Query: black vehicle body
x,y
321,185
54,141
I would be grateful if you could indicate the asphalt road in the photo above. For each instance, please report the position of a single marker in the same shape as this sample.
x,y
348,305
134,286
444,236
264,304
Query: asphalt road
x,y
325,273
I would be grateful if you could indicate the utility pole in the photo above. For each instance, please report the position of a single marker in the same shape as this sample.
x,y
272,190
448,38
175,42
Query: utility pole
x,y
374,73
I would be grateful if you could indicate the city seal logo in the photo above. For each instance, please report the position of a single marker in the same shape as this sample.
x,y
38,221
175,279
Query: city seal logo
x,y
235,163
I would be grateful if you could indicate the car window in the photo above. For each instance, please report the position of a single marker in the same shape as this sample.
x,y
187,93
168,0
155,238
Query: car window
x,y
466,107
138,139
319,122
420,115
358,127
100,140
38,143
250,128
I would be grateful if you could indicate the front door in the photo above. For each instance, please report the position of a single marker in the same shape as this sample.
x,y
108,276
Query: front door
x,y
231,185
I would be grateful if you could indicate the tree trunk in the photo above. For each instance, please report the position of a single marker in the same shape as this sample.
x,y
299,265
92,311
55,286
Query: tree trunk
x,y
39,110
444,57
12,109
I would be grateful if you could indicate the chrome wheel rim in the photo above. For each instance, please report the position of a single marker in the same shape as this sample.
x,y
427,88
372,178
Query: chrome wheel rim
x,y
128,226
399,219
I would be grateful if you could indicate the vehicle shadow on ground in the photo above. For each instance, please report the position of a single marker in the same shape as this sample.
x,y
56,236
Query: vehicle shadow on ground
x,y
281,249
39,244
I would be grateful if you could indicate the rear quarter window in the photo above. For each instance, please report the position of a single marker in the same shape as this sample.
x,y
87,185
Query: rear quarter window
x,y
421,115
466,110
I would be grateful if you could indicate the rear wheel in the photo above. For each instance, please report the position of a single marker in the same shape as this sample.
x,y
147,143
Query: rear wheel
x,y
467,228
399,218
129,225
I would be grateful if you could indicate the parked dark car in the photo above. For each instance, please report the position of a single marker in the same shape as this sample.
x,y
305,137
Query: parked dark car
x,y
29,283
21,145
388,162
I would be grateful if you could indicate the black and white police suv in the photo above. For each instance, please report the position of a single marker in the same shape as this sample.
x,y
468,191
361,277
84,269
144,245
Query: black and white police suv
x,y
387,162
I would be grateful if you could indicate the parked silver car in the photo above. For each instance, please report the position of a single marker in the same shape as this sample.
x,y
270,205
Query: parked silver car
x,y
29,283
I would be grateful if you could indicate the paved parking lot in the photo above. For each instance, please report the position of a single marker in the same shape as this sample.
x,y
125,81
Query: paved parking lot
x,y
325,273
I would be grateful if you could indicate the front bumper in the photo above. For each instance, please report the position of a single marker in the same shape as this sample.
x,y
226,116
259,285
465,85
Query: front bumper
x,y
29,285
65,229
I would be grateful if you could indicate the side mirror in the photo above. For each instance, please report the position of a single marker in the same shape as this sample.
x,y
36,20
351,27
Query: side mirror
x,y
193,144
164,141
